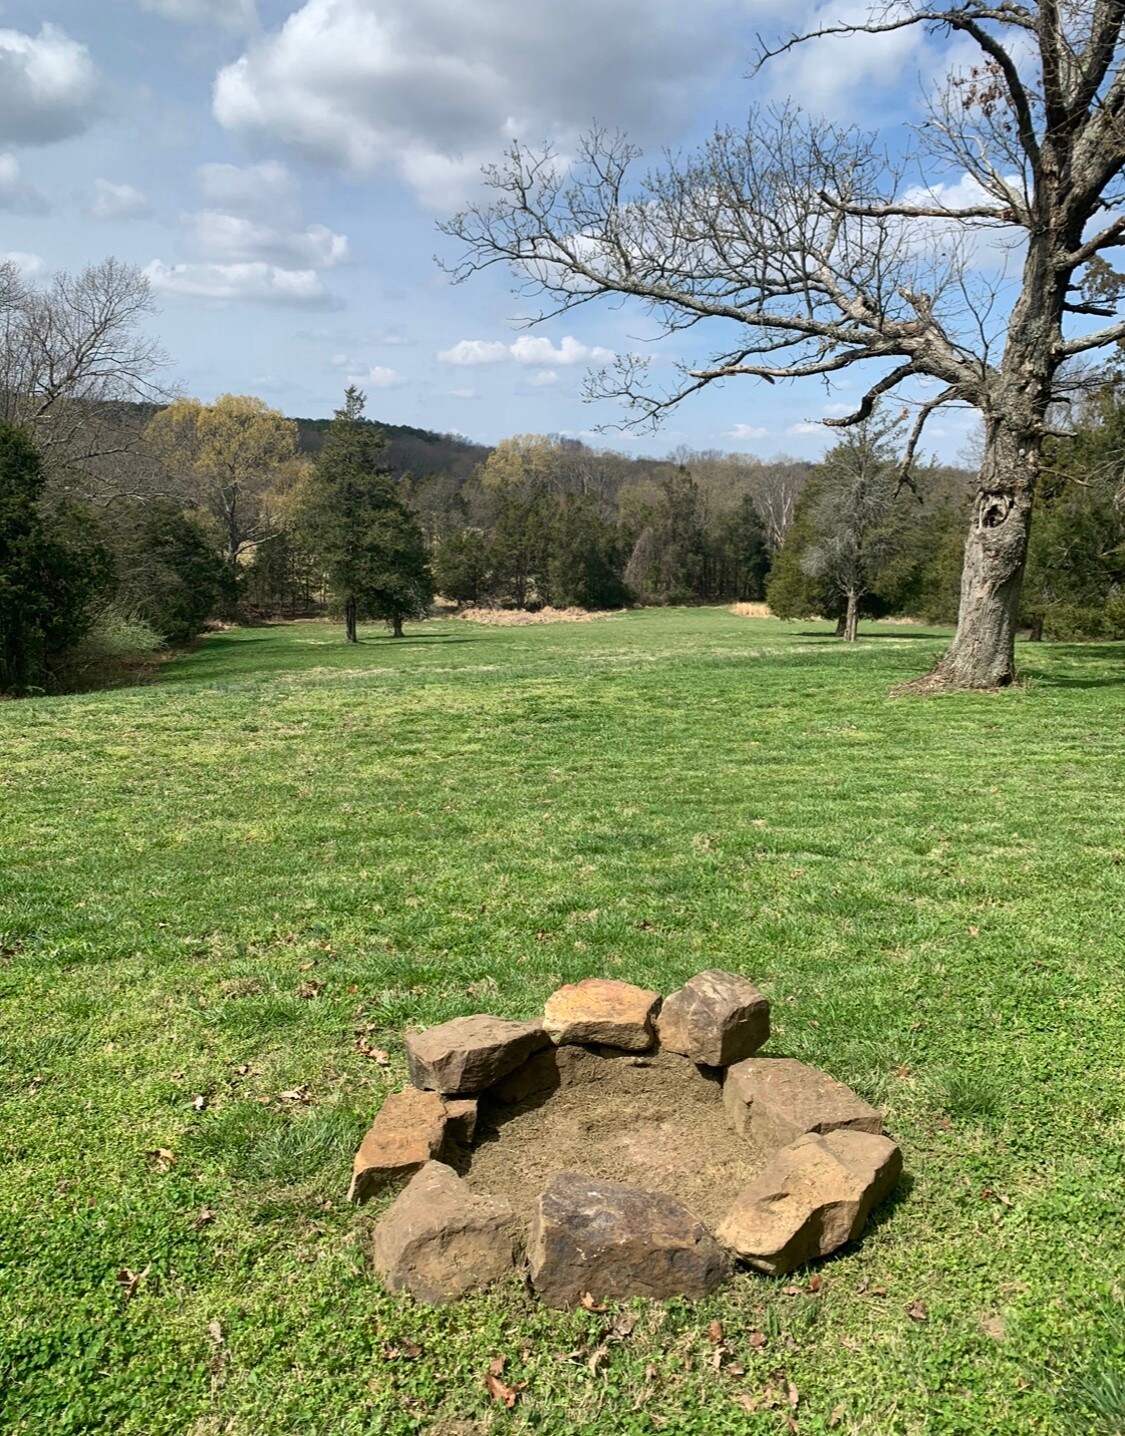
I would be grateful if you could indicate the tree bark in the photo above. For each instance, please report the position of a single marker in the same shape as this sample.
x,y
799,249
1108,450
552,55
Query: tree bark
x,y
851,618
982,654
349,620
396,627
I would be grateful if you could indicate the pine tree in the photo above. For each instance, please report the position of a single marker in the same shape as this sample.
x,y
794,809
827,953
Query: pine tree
x,y
368,542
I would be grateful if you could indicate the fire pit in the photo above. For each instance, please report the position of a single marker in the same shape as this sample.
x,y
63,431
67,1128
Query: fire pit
x,y
628,1147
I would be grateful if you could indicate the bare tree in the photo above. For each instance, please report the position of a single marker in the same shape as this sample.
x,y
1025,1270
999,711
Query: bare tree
x,y
73,357
805,238
775,489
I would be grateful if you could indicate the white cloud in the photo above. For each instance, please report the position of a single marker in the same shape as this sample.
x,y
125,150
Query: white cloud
x,y
231,238
463,393
16,195
256,283
747,431
534,349
806,426
49,88
527,349
31,266
431,89
544,379
476,351
266,191
378,377
230,14
117,201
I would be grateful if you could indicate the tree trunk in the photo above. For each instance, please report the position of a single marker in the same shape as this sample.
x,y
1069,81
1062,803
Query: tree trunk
x,y
349,620
982,654
396,627
841,625
851,618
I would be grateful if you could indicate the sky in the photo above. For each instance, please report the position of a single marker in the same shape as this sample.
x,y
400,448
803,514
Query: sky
x,y
277,170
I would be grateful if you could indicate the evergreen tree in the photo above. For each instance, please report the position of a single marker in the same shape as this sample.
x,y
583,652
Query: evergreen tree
x,y
168,572
584,563
367,540
51,569
461,569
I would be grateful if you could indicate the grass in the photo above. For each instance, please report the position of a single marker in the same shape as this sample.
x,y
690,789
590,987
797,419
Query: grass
x,y
214,887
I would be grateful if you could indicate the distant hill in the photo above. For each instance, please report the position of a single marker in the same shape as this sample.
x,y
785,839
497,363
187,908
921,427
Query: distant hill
x,y
420,452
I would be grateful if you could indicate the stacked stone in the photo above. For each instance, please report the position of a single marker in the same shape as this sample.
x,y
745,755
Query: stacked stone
x,y
829,1163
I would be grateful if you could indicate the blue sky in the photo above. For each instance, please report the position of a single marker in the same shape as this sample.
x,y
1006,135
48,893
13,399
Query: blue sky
x,y
277,169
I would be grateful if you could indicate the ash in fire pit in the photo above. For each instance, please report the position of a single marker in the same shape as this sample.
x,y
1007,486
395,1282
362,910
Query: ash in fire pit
x,y
629,1148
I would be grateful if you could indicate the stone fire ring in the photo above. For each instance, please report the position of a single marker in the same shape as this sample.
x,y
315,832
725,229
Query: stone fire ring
x,y
828,1163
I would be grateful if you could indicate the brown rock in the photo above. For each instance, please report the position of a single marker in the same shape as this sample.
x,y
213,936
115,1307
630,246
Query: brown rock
x,y
593,1235
440,1240
814,1196
461,1120
468,1054
716,1018
775,1100
408,1130
601,1009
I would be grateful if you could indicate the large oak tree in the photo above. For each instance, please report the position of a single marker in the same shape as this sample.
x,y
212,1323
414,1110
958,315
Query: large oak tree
x,y
811,246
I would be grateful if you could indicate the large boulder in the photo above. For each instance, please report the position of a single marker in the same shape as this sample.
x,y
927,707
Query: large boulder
x,y
602,1010
440,1240
468,1054
593,1235
716,1018
408,1130
775,1100
814,1196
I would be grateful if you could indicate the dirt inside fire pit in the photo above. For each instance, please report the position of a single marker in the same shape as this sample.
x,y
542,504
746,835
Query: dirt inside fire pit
x,y
649,1120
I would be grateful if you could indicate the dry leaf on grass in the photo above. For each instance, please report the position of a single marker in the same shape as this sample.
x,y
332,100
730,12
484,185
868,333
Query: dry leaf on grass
x,y
204,1217
587,1300
501,1391
163,1158
917,1311
295,1094
130,1280
309,989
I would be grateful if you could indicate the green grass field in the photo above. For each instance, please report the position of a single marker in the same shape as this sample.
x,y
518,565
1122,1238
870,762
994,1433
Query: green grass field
x,y
931,892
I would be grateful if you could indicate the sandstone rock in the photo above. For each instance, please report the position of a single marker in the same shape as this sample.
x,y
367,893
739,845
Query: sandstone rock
x,y
814,1196
775,1100
716,1018
601,1009
468,1054
461,1120
590,1234
408,1130
440,1240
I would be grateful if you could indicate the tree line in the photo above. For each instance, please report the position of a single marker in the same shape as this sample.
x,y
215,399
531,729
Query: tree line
x,y
122,513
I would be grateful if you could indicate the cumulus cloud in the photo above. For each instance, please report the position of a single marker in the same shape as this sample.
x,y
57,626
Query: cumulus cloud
x,y
431,89
265,191
544,379
806,426
230,14
31,266
49,87
527,349
378,377
117,201
16,195
233,238
257,283
747,431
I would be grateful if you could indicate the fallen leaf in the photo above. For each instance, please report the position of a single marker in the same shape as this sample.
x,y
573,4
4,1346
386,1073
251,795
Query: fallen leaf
x,y
295,1094
130,1280
163,1158
501,1391
816,1283
622,1326
204,1217
747,1402
597,1357
651,1372
309,989
715,1332
974,932
199,1101
837,1415
757,1339
215,1332
917,1312
376,1054
791,1291
793,1395
497,1365
587,1300
306,966
34,1085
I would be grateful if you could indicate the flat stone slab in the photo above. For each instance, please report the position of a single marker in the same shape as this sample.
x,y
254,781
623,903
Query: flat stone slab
x,y
602,1010
716,1018
593,1235
815,1195
408,1130
440,1240
468,1054
775,1100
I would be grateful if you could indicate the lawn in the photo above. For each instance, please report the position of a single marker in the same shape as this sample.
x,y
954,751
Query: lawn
x,y
217,892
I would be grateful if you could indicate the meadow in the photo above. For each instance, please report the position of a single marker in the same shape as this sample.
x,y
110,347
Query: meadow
x,y
225,895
